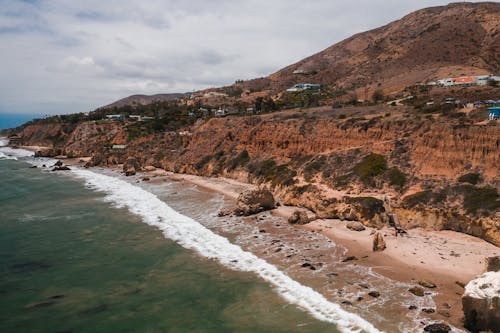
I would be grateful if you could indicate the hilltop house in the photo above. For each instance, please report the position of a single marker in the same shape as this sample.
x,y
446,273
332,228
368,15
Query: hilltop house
x,y
304,86
494,113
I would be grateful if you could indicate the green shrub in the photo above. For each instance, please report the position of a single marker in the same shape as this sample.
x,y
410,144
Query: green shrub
x,y
241,159
269,171
424,198
372,165
313,167
396,177
471,178
479,199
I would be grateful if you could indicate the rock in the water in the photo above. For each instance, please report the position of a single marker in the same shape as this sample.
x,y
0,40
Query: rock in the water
x,y
356,226
417,291
481,303
253,202
427,284
374,294
493,264
58,163
61,168
378,242
131,166
437,328
298,217
350,258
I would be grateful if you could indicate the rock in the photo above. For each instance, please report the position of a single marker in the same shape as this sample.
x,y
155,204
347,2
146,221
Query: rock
x,y
61,168
437,328
428,310
33,167
493,264
417,291
481,303
223,212
356,226
149,168
131,166
374,294
412,307
427,284
378,242
145,179
58,164
254,201
350,258
298,217
347,302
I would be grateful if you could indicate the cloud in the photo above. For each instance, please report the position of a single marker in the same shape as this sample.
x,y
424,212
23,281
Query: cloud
x,y
63,56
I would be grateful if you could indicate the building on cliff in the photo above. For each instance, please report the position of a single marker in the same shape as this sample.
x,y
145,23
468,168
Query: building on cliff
x,y
494,113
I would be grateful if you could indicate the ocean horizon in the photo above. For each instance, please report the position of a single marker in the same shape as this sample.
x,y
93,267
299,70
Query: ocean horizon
x,y
12,120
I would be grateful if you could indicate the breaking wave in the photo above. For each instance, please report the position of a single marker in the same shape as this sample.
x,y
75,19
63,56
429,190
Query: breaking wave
x,y
194,236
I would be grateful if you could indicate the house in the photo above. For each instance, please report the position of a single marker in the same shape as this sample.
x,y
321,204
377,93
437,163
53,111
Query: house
x,y
464,81
221,112
494,113
14,139
115,116
119,146
304,86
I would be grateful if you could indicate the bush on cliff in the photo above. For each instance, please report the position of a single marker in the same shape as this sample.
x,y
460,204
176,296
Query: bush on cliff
x,y
424,198
240,160
471,178
313,167
269,171
396,177
479,199
372,165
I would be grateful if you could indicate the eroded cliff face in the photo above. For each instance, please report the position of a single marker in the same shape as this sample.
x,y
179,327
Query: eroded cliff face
x,y
292,148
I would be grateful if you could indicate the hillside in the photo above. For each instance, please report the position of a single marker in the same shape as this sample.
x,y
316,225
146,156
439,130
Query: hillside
x,y
457,39
143,100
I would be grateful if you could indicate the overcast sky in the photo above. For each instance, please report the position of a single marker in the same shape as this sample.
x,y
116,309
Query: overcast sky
x,y
61,56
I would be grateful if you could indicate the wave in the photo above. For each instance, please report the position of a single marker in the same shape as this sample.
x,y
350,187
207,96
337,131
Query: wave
x,y
194,236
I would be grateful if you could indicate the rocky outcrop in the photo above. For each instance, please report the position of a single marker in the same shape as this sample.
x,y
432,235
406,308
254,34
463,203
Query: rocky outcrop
x,y
493,264
298,217
437,328
481,303
131,166
378,242
356,226
254,201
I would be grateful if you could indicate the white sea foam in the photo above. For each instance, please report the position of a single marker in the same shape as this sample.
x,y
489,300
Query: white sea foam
x,y
12,153
192,235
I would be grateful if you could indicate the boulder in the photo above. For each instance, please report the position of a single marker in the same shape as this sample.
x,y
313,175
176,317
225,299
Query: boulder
x,y
356,226
298,217
149,168
417,291
254,201
61,168
374,294
427,284
58,163
481,303
437,328
131,166
493,264
378,242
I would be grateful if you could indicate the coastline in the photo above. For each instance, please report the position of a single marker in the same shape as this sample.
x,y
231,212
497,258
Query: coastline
x,y
440,257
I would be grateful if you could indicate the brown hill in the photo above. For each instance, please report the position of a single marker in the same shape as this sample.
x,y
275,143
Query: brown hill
x,y
143,99
437,42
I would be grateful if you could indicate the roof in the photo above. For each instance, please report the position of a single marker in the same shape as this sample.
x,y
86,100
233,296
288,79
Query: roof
x,y
464,79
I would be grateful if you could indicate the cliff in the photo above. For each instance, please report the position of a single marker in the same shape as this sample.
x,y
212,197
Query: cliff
x,y
318,159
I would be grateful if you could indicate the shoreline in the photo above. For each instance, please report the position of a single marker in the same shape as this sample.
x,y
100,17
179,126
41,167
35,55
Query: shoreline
x,y
440,257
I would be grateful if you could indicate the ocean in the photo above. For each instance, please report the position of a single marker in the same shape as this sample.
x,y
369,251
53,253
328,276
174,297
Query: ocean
x,y
72,261
90,250
12,120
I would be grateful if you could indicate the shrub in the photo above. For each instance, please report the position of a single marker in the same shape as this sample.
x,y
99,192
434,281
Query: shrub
x,y
424,198
372,165
396,177
478,199
269,171
471,178
241,159
313,167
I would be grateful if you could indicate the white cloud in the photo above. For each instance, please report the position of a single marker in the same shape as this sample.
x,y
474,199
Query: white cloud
x,y
67,56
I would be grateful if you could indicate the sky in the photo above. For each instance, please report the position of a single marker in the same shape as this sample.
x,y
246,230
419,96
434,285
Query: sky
x,y
64,56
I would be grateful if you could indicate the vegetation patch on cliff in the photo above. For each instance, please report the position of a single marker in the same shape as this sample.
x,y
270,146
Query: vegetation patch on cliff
x,y
269,171
372,165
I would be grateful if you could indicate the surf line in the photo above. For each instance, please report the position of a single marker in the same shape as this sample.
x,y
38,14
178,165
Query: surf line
x,y
194,236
